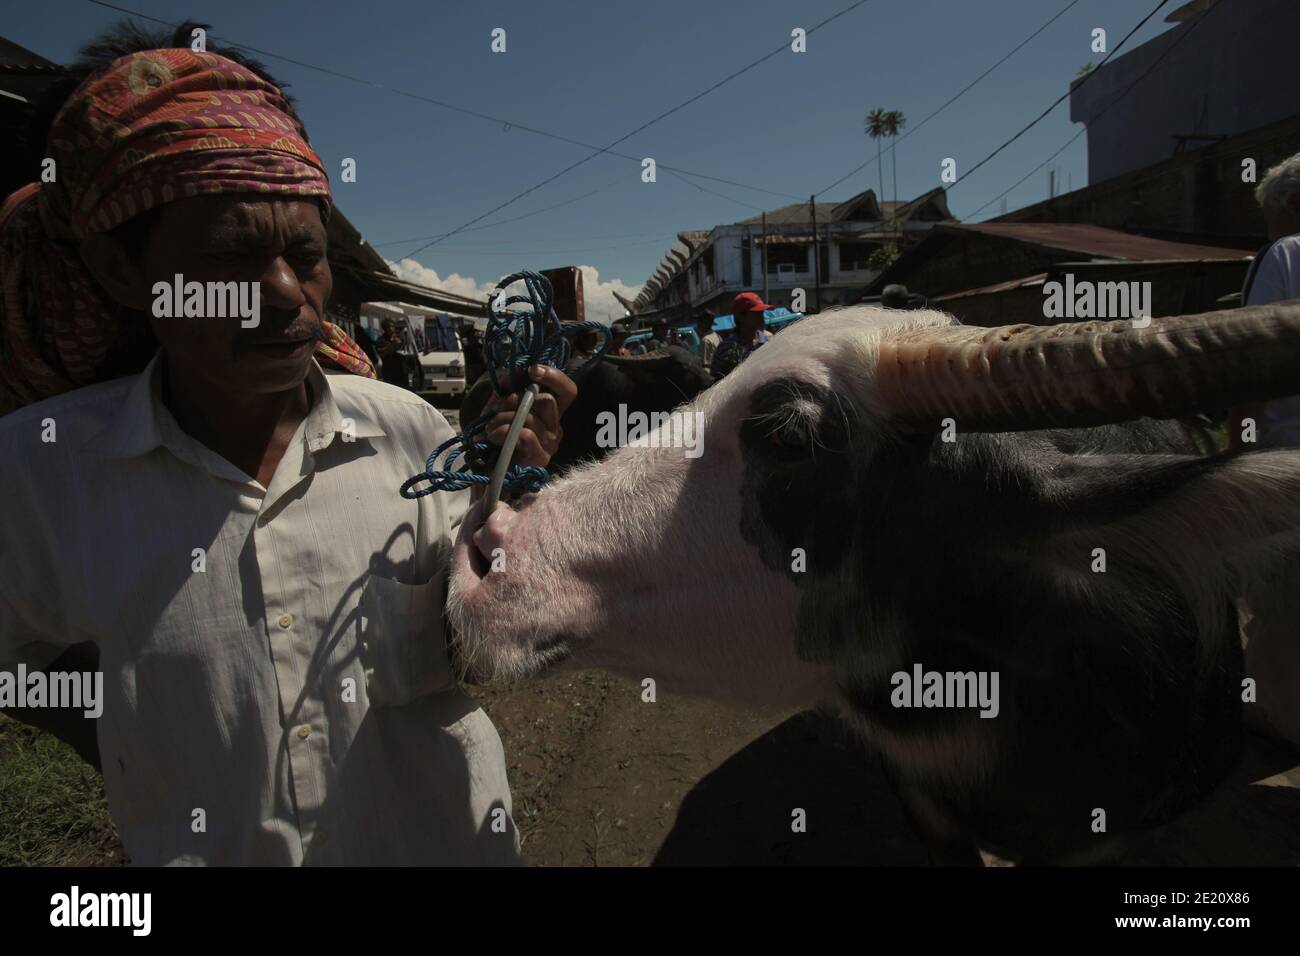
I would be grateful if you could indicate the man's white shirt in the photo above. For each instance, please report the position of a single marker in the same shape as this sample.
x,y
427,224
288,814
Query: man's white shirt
x,y
1277,277
291,701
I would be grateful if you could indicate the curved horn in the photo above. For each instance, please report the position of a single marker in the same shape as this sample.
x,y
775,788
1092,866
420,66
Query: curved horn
x,y
1024,377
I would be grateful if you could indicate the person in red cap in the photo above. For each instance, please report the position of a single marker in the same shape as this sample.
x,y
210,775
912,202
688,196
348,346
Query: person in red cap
x,y
748,309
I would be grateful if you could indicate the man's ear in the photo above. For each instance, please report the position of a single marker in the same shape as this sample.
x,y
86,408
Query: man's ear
x,y
117,272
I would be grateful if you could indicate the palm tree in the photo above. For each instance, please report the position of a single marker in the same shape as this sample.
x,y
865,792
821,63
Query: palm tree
x,y
875,128
894,121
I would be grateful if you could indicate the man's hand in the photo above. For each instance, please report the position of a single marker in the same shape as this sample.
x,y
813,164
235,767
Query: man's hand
x,y
541,436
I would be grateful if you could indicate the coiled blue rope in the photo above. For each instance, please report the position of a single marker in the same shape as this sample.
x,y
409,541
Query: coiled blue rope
x,y
514,341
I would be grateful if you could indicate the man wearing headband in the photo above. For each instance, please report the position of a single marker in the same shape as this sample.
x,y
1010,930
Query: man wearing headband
x,y
219,534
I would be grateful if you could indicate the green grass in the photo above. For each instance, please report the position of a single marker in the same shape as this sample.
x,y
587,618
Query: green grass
x,y
52,807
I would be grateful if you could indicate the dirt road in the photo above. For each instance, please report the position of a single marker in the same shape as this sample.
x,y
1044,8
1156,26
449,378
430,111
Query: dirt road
x,y
602,778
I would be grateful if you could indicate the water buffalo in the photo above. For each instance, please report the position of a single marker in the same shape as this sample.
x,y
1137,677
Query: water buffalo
x,y
888,495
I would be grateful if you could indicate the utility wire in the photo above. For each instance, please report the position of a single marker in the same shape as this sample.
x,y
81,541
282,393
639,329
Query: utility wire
x,y
1169,49
527,215
644,126
443,104
964,90
1061,99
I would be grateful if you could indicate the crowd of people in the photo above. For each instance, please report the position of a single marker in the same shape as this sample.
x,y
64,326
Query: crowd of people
x,y
718,354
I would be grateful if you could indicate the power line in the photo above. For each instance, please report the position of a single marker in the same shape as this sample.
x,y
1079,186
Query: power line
x,y
503,222
443,104
722,195
964,90
537,239
1169,49
1061,99
516,252
644,126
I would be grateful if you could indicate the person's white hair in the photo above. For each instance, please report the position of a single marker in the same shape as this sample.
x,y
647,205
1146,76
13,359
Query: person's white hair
x,y
1279,184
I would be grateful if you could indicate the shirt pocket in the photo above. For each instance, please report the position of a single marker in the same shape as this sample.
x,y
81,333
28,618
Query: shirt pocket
x,y
404,641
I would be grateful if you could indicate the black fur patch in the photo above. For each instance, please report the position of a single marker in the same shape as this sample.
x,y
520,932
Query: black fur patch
x,y
920,551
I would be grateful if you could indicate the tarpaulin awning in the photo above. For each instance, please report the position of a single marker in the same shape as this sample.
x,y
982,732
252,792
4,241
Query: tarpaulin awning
x,y
382,287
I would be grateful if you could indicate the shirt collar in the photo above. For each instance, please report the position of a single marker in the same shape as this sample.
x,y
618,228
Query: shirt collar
x,y
142,422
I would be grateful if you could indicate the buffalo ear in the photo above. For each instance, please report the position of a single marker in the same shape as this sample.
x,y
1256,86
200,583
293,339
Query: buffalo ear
x,y
1213,525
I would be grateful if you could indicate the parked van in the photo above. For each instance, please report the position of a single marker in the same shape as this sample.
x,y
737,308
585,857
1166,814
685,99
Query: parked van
x,y
442,360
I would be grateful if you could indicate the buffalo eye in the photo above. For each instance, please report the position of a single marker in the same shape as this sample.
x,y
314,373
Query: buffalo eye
x,y
789,439
785,417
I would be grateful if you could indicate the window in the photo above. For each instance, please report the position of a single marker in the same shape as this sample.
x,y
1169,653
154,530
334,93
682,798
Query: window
x,y
855,256
790,255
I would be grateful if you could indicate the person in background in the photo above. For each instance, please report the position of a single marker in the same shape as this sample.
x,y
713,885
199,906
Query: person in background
x,y
1274,275
392,362
1270,632
585,344
895,296
659,337
748,309
709,340
366,342
618,337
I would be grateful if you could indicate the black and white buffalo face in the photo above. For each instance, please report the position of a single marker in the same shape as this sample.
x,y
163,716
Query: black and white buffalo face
x,y
740,571
678,560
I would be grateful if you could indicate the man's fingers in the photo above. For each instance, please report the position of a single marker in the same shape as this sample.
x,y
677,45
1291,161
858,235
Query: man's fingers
x,y
541,434
529,451
546,409
557,383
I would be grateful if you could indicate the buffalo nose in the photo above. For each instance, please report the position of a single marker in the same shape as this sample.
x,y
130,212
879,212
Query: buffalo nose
x,y
492,534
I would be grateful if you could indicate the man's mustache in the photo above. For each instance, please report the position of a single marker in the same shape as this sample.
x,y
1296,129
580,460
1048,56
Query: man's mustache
x,y
280,328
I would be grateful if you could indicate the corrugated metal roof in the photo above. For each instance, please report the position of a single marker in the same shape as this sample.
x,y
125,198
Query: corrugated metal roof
x,y
1037,279
14,58
1096,241
384,287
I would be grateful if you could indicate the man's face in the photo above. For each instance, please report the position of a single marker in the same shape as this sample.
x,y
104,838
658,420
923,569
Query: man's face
x,y
1285,221
748,323
278,243
703,328
660,331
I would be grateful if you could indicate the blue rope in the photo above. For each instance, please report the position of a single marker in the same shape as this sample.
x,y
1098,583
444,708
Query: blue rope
x,y
514,340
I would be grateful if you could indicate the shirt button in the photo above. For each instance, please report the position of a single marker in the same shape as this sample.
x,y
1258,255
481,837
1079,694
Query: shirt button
x,y
304,731
285,621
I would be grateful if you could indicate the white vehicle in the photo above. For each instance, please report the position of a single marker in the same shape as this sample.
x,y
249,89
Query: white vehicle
x,y
442,360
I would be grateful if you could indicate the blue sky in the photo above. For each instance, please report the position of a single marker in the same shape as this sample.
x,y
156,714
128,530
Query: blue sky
x,y
594,71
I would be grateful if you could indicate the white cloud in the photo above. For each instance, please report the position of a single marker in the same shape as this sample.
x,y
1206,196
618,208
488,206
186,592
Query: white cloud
x,y
457,284
598,295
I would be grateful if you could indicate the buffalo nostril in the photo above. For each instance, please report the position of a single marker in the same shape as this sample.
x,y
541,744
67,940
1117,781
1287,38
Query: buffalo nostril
x,y
490,538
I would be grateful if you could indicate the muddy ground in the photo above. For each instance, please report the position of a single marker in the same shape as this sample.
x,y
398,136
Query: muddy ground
x,y
601,777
